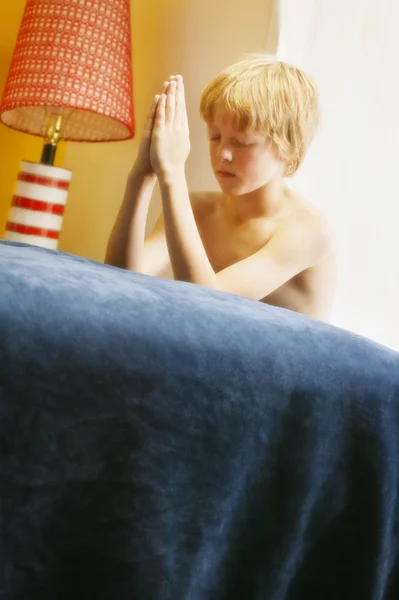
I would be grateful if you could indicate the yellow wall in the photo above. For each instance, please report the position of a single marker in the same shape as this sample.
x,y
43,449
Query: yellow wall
x,y
14,146
190,37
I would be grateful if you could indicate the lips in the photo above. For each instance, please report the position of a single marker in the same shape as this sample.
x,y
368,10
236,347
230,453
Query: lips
x,y
225,174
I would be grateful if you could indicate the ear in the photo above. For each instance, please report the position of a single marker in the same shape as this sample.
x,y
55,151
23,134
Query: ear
x,y
270,146
272,150
273,154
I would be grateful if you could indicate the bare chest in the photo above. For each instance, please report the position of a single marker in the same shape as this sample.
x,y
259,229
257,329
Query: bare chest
x,y
227,244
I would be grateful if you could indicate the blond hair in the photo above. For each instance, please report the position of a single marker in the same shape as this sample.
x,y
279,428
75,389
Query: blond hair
x,y
270,97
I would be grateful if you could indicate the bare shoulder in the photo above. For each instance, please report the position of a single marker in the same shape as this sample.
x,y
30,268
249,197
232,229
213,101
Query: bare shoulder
x,y
307,219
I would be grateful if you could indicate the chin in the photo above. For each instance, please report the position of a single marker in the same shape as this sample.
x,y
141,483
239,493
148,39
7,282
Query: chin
x,y
235,189
230,186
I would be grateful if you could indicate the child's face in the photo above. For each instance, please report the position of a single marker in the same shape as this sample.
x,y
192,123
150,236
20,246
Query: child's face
x,y
242,161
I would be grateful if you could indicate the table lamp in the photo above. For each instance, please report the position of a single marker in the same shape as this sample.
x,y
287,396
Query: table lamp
x,y
70,79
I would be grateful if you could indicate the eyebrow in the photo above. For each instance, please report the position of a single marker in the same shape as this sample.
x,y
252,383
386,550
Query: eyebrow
x,y
234,134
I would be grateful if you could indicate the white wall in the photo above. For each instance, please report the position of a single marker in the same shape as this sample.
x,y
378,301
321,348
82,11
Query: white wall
x,y
352,50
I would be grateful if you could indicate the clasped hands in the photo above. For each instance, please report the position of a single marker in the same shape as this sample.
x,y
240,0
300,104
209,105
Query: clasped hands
x,y
165,145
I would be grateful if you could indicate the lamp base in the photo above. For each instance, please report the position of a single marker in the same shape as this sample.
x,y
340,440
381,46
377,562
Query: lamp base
x,y
38,205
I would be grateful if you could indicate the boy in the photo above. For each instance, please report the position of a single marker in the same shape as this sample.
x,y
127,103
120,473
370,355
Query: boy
x,y
255,238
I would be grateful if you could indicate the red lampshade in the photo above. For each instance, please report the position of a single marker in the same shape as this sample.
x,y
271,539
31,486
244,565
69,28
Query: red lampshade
x,y
72,58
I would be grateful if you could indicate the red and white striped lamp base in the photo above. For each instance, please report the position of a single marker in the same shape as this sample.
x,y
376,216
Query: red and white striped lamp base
x,y
38,205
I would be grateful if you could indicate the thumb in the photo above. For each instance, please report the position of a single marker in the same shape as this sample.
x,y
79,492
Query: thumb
x,y
148,127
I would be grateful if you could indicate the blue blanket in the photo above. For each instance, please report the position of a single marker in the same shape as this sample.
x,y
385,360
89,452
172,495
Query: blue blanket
x,y
160,441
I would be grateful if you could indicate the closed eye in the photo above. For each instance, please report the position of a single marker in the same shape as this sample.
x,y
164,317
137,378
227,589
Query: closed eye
x,y
215,138
244,144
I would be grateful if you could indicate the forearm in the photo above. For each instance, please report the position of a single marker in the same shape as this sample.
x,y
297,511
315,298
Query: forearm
x,y
126,243
187,254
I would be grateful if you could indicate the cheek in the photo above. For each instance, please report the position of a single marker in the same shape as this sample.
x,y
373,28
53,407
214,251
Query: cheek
x,y
249,163
212,153
257,163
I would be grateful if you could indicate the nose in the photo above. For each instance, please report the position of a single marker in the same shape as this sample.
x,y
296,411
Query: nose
x,y
225,153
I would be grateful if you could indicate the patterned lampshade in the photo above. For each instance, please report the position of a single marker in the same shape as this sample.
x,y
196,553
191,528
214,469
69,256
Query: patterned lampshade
x,y
72,59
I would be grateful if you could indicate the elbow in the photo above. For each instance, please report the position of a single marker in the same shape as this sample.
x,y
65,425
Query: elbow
x,y
117,259
111,260
110,255
114,261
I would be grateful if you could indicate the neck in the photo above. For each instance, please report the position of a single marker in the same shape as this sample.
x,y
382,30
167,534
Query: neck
x,y
263,202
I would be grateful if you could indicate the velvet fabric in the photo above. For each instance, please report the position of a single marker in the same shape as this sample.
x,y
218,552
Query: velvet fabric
x,y
161,441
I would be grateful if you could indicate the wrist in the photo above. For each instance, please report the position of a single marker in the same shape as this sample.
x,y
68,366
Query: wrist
x,y
138,175
139,188
168,177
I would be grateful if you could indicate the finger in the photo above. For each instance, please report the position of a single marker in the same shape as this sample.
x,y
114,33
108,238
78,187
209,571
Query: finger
x,y
183,113
160,113
171,103
180,104
151,116
184,118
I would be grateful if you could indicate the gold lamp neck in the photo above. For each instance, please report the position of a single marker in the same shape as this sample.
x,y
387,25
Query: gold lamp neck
x,y
52,137
54,130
